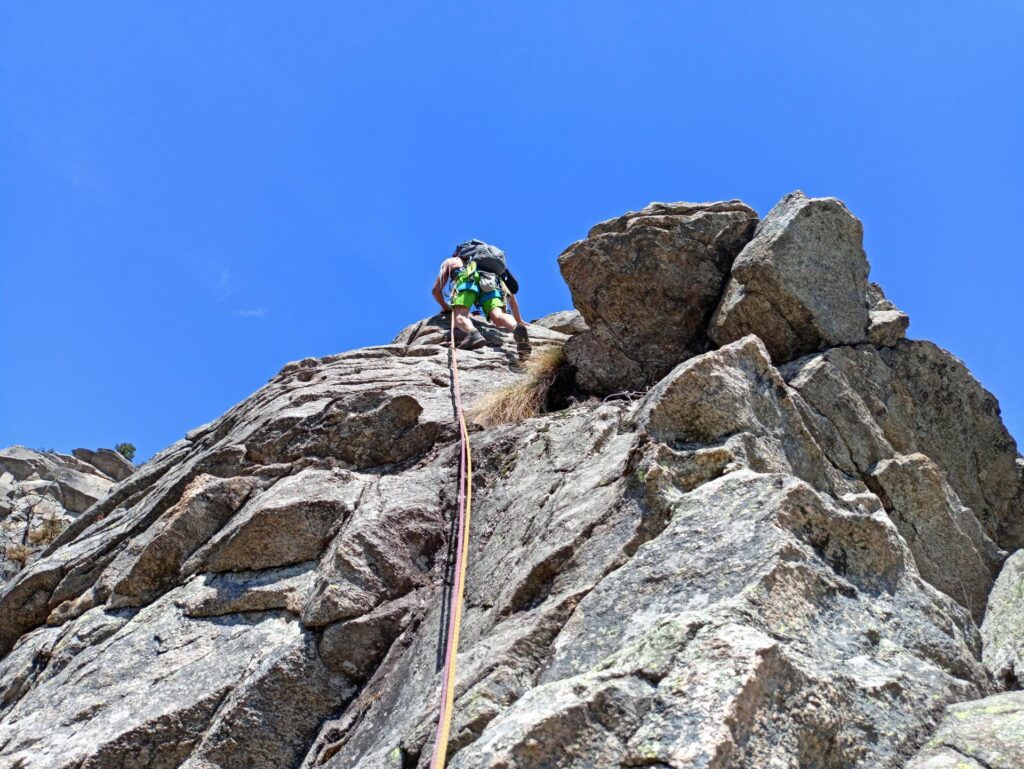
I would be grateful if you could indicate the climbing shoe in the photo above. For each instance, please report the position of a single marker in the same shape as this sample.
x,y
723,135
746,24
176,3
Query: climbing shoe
x,y
522,338
473,341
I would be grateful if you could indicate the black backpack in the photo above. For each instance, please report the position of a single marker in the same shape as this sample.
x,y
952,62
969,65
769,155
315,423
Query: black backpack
x,y
488,259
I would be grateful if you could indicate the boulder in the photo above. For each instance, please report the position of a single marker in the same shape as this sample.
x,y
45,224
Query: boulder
x,y
801,283
107,461
79,491
22,463
646,284
887,323
289,523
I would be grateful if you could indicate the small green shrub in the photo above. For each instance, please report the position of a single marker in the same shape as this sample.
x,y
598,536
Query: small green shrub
x,y
126,450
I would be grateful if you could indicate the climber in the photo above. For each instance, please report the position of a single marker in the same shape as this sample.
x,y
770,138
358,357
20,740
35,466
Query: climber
x,y
480,277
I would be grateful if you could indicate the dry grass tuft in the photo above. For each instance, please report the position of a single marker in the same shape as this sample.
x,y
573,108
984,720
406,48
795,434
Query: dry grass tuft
x,y
18,553
52,527
525,398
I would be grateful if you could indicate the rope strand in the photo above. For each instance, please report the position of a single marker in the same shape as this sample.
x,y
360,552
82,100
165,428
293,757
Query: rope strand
x,y
444,721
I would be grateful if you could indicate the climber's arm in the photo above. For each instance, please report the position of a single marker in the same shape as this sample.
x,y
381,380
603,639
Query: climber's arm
x,y
438,295
442,280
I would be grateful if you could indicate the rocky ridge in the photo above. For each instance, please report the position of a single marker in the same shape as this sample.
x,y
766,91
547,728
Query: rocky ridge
x,y
764,533
42,492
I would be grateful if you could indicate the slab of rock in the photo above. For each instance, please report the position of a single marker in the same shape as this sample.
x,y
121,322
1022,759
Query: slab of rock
x,y
865,405
735,397
983,734
801,283
164,687
888,324
151,563
289,523
107,461
951,550
568,322
646,284
1003,628
235,592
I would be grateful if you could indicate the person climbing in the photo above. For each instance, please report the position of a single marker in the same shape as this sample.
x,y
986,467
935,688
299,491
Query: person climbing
x,y
480,277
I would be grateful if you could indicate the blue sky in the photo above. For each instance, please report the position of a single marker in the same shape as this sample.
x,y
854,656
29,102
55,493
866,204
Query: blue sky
x,y
193,194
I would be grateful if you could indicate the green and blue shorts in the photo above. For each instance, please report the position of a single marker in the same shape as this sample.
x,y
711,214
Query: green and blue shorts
x,y
468,293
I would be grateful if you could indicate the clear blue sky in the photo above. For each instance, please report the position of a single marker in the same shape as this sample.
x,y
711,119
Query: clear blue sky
x,y
193,194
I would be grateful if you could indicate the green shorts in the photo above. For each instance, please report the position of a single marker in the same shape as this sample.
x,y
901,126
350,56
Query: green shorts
x,y
470,297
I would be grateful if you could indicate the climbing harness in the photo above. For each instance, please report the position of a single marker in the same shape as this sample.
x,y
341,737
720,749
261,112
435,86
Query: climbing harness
x,y
444,721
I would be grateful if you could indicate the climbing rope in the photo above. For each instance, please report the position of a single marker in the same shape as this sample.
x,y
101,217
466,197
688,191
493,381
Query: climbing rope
x,y
444,721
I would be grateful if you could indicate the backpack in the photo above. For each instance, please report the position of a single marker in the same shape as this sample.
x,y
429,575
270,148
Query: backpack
x,y
488,259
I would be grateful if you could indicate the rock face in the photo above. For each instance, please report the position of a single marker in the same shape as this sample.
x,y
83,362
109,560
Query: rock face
x,y
867,404
1003,629
41,492
985,734
106,461
567,322
646,284
951,550
887,323
801,283
743,565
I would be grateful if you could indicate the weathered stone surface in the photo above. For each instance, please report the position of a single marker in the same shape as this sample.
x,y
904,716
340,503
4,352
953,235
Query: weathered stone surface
x,y
984,734
384,551
744,566
41,493
887,327
216,595
146,695
151,562
735,397
950,548
289,523
212,549
106,461
578,614
865,405
801,283
595,577
1003,628
646,284
887,323
568,322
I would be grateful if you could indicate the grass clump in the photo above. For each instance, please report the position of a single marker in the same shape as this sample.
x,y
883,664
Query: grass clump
x,y
18,553
525,398
51,527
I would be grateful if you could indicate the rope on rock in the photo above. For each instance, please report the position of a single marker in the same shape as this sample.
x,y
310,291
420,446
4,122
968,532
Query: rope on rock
x,y
444,721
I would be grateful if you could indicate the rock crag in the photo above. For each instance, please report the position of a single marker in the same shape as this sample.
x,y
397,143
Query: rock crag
x,y
763,533
42,492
